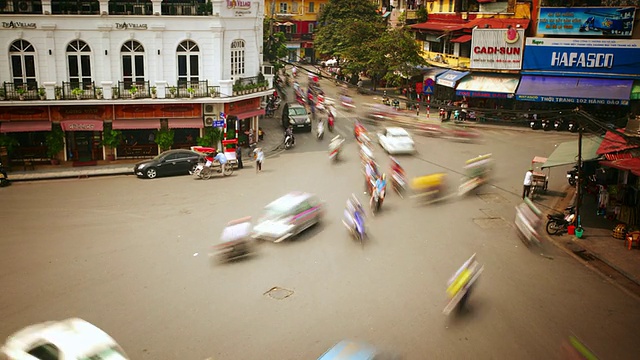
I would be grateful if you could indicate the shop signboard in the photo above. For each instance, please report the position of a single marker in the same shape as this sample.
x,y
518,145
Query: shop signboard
x,y
218,123
582,57
586,21
572,100
174,111
81,125
499,49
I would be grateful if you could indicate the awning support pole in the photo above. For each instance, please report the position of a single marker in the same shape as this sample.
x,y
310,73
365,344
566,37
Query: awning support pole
x,y
579,182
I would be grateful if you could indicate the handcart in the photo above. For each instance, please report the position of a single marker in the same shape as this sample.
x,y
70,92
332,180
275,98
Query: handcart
x,y
235,241
540,178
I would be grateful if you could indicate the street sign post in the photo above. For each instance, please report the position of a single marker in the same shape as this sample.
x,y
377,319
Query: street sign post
x,y
218,123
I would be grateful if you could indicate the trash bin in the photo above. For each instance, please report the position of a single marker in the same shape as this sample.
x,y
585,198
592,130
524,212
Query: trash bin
x,y
579,230
571,230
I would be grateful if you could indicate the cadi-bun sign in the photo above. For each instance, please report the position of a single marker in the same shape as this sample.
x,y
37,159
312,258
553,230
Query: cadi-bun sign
x,y
497,48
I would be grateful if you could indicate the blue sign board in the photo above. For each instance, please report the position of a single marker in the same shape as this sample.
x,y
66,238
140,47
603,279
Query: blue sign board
x,y
571,100
586,21
580,57
218,123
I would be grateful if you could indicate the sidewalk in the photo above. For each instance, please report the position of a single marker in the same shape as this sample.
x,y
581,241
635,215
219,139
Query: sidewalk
x,y
598,241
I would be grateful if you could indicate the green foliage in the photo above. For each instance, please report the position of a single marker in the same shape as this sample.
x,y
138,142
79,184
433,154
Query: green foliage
x,y
77,91
165,139
274,45
54,141
112,138
211,137
9,142
422,15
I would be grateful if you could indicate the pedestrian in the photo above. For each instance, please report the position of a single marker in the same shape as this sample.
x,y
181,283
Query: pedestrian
x,y
239,157
417,109
259,159
528,178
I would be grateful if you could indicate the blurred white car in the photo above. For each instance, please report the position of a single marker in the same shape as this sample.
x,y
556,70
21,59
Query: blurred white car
x,y
288,216
395,140
71,339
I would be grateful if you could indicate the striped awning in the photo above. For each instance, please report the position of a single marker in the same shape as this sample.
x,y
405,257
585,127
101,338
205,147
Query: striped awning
x,y
618,156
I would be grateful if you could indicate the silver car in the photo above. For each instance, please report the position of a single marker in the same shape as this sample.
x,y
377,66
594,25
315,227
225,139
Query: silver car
x,y
288,216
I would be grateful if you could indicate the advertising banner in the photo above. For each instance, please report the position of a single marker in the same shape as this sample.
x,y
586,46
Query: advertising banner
x,y
497,49
586,21
590,57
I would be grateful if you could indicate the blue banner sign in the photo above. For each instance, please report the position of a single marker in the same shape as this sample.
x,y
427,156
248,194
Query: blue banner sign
x,y
590,57
586,21
571,100
218,123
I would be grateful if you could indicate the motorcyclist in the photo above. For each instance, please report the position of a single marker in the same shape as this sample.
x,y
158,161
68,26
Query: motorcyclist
x,y
320,128
289,132
294,71
396,169
354,211
371,172
335,144
380,186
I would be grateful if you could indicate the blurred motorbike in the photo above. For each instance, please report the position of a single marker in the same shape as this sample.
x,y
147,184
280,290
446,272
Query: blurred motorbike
x,y
558,223
320,129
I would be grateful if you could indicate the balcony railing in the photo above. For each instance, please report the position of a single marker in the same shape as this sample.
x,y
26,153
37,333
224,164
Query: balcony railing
x,y
142,89
214,91
186,88
186,7
13,91
128,7
21,7
249,85
75,90
81,7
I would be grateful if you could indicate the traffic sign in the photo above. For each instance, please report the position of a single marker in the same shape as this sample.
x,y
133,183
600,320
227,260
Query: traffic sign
x,y
427,90
218,123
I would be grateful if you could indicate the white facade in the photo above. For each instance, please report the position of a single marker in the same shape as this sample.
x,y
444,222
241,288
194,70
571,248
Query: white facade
x,y
159,35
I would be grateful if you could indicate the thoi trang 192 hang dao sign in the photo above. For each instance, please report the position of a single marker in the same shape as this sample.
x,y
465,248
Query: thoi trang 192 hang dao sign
x,y
586,21
497,48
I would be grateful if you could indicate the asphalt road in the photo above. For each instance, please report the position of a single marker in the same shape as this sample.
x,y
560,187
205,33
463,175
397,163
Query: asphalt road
x,y
129,255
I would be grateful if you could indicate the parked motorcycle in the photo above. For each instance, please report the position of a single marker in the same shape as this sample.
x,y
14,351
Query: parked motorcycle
x,y
386,101
559,125
572,126
443,114
4,178
572,176
558,223
546,125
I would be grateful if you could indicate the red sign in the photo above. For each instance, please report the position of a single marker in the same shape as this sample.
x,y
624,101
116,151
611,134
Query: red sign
x,y
81,125
24,113
242,106
60,113
178,111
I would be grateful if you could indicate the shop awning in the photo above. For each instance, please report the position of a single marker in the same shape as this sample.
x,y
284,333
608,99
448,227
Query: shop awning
x,y
462,39
615,143
195,123
139,124
81,125
25,126
567,152
635,90
450,78
434,25
632,165
248,114
488,86
618,156
574,90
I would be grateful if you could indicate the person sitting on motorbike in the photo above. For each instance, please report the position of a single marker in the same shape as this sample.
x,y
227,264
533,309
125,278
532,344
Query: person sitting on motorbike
x,y
396,168
380,186
289,132
371,172
354,211
335,143
294,71
320,127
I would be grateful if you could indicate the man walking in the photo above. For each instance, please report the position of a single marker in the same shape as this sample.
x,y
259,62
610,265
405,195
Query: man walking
x,y
528,177
259,159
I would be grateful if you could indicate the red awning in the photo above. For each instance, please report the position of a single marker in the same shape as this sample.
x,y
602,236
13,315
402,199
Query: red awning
x,y
618,156
81,125
497,23
438,26
614,143
139,124
248,114
195,123
632,165
462,39
25,126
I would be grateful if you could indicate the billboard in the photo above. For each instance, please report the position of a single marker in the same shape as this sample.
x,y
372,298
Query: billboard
x,y
577,57
499,49
586,21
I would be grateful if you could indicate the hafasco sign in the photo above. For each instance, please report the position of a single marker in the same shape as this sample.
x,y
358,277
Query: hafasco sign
x,y
600,56
497,48
127,26
586,21
18,25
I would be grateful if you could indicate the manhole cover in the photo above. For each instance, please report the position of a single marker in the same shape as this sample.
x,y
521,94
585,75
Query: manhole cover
x,y
490,213
491,223
492,198
278,293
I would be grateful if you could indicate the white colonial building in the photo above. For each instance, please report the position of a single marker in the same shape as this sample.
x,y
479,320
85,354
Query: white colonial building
x,y
138,66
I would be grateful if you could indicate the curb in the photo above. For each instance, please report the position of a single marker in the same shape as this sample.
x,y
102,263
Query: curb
x,y
70,175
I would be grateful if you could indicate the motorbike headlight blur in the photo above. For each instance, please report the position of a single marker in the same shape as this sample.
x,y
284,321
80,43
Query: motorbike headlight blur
x,y
308,121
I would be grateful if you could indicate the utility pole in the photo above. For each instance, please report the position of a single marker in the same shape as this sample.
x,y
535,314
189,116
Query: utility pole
x,y
579,182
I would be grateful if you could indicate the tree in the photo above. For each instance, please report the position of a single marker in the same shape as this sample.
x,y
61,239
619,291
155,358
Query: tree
x,y
274,45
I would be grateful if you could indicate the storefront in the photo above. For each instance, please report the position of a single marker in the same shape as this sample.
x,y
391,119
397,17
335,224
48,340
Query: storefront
x,y
488,90
446,83
243,116
28,127
83,126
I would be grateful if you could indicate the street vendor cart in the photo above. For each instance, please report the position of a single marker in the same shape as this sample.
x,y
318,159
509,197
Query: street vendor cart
x,y
429,187
540,179
476,173
235,241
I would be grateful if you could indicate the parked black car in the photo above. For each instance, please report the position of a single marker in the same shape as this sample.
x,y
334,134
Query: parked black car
x,y
172,162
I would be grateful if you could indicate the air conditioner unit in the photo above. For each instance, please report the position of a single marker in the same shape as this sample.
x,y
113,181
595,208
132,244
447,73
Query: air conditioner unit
x,y
209,109
25,7
208,121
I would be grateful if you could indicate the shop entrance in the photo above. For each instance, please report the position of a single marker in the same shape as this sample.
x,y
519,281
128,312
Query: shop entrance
x,y
84,146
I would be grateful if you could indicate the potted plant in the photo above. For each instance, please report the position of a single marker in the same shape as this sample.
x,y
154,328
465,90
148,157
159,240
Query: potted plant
x,y
164,139
8,142
192,92
111,138
154,92
98,93
116,92
172,92
55,144
213,92
133,90
42,93
212,137
3,96
58,92
78,93
262,82
21,91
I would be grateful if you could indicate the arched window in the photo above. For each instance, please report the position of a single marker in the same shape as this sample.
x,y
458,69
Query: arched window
x,y
132,62
237,57
79,62
23,63
188,62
